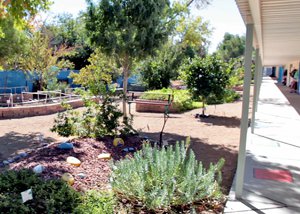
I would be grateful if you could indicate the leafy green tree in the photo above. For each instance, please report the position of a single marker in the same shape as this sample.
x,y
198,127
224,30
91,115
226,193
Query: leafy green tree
x,y
98,74
193,35
189,40
11,44
232,46
42,60
205,77
70,32
21,11
129,30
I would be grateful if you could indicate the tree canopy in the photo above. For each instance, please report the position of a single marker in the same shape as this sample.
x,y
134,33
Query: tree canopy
x,y
206,77
232,46
21,11
129,30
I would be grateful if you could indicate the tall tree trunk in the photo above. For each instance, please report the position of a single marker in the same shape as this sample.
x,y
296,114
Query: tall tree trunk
x,y
125,81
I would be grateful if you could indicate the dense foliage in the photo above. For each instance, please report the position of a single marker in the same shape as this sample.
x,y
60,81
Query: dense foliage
x,y
129,30
70,32
181,99
189,39
51,196
21,11
41,60
97,120
98,74
232,46
206,77
162,179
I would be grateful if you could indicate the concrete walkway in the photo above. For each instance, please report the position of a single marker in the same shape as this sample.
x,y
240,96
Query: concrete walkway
x,y
272,171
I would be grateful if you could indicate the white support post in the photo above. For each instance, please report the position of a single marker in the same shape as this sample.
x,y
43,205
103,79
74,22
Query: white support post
x,y
255,91
245,112
260,78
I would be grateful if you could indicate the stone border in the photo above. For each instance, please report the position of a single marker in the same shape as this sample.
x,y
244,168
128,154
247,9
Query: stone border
x,y
30,111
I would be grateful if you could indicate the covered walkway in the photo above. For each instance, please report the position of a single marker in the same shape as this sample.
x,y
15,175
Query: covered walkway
x,y
272,168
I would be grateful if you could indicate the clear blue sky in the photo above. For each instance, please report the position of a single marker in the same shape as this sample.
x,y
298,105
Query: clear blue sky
x,y
223,16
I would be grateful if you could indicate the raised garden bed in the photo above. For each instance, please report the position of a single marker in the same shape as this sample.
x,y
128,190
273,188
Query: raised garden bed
x,y
155,106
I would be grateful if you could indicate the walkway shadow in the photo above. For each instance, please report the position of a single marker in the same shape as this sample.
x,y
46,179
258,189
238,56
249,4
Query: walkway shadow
x,y
206,153
284,192
14,142
231,122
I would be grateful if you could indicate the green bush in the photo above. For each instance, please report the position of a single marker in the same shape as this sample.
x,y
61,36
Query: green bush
x,y
97,120
182,99
97,202
229,96
52,196
166,178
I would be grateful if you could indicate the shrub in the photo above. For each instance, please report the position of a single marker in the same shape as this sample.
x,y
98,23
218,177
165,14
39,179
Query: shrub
x,y
97,202
161,179
97,120
182,99
52,196
228,97
206,77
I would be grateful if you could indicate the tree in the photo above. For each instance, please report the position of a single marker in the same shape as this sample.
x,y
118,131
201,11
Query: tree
x,y
129,30
98,74
11,44
21,11
205,77
232,46
70,32
193,34
189,39
41,60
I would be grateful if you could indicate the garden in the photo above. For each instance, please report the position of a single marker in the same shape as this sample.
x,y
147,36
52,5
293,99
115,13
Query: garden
x,y
112,160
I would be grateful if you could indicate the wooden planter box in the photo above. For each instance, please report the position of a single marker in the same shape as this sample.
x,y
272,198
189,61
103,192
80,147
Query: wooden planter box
x,y
155,106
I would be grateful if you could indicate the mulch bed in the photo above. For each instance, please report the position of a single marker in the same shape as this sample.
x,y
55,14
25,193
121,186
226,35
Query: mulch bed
x,y
86,150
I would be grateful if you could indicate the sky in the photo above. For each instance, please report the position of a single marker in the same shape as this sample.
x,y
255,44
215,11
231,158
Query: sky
x,y
223,16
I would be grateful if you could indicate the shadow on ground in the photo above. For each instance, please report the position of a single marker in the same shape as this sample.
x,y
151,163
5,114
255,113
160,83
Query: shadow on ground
x,y
293,98
212,120
206,153
13,142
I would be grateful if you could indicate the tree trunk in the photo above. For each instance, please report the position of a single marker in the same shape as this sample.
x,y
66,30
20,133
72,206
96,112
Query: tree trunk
x,y
203,107
125,81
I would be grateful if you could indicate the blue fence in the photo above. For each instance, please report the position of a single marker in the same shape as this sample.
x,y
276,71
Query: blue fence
x,y
15,79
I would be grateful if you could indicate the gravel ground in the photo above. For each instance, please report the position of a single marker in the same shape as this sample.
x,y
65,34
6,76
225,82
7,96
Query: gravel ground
x,y
212,138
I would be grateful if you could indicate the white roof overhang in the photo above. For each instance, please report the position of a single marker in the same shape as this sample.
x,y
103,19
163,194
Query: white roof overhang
x,y
276,28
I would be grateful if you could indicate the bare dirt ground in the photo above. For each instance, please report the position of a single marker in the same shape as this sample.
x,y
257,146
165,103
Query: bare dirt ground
x,y
212,138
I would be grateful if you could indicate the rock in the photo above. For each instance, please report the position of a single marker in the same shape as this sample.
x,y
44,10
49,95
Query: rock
x,y
81,175
125,150
38,169
23,154
66,146
10,160
129,149
17,157
118,142
5,162
104,156
73,161
68,178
